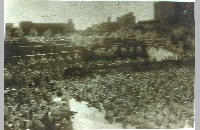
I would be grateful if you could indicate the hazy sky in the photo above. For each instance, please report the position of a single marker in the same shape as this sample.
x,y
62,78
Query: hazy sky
x,y
83,13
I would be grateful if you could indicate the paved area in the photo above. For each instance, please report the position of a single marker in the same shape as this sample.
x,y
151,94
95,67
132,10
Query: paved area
x,y
89,118
161,54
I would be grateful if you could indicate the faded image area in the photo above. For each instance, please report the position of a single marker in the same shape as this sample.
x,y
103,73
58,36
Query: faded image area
x,y
74,65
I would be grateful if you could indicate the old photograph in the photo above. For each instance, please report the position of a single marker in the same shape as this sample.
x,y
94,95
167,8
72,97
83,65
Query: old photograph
x,y
86,65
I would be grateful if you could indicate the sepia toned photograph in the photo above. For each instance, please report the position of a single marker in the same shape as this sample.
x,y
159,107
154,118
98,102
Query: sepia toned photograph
x,y
88,65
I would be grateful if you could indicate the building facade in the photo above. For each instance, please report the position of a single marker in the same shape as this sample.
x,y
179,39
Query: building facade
x,y
164,10
127,20
26,26
9,29
173,10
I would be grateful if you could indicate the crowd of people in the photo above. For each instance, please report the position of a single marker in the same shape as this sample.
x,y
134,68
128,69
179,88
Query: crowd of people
x,y
30,93
150,99
159,98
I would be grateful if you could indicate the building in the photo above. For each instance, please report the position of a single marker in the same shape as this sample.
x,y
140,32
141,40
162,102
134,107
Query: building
x,y
149,24
9,25
127,20
9,29
170,10
26,26
164,10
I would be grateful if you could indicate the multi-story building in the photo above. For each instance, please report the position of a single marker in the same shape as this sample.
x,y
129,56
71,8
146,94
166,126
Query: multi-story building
x,y
26,26
127,20
164,10
169,10
9,29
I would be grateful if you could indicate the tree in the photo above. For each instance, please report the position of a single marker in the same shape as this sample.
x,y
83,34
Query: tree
x,y
109,19
48,33
179,31
8,34
19,32
33,32
71,27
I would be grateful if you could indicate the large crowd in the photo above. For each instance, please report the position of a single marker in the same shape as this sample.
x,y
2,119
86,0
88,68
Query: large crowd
x,y
30,92
161,98
150,99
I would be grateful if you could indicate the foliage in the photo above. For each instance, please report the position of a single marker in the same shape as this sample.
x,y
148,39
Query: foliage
x,y
33,32
19,32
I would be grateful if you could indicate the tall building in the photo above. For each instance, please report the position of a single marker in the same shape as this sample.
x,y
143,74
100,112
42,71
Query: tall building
x,y
164,10
176,10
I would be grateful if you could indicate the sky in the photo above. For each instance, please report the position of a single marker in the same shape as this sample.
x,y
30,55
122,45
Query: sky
x,y
83,13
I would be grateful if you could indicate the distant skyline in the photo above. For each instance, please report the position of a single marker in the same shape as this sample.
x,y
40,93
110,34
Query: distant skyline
x,y
83,13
